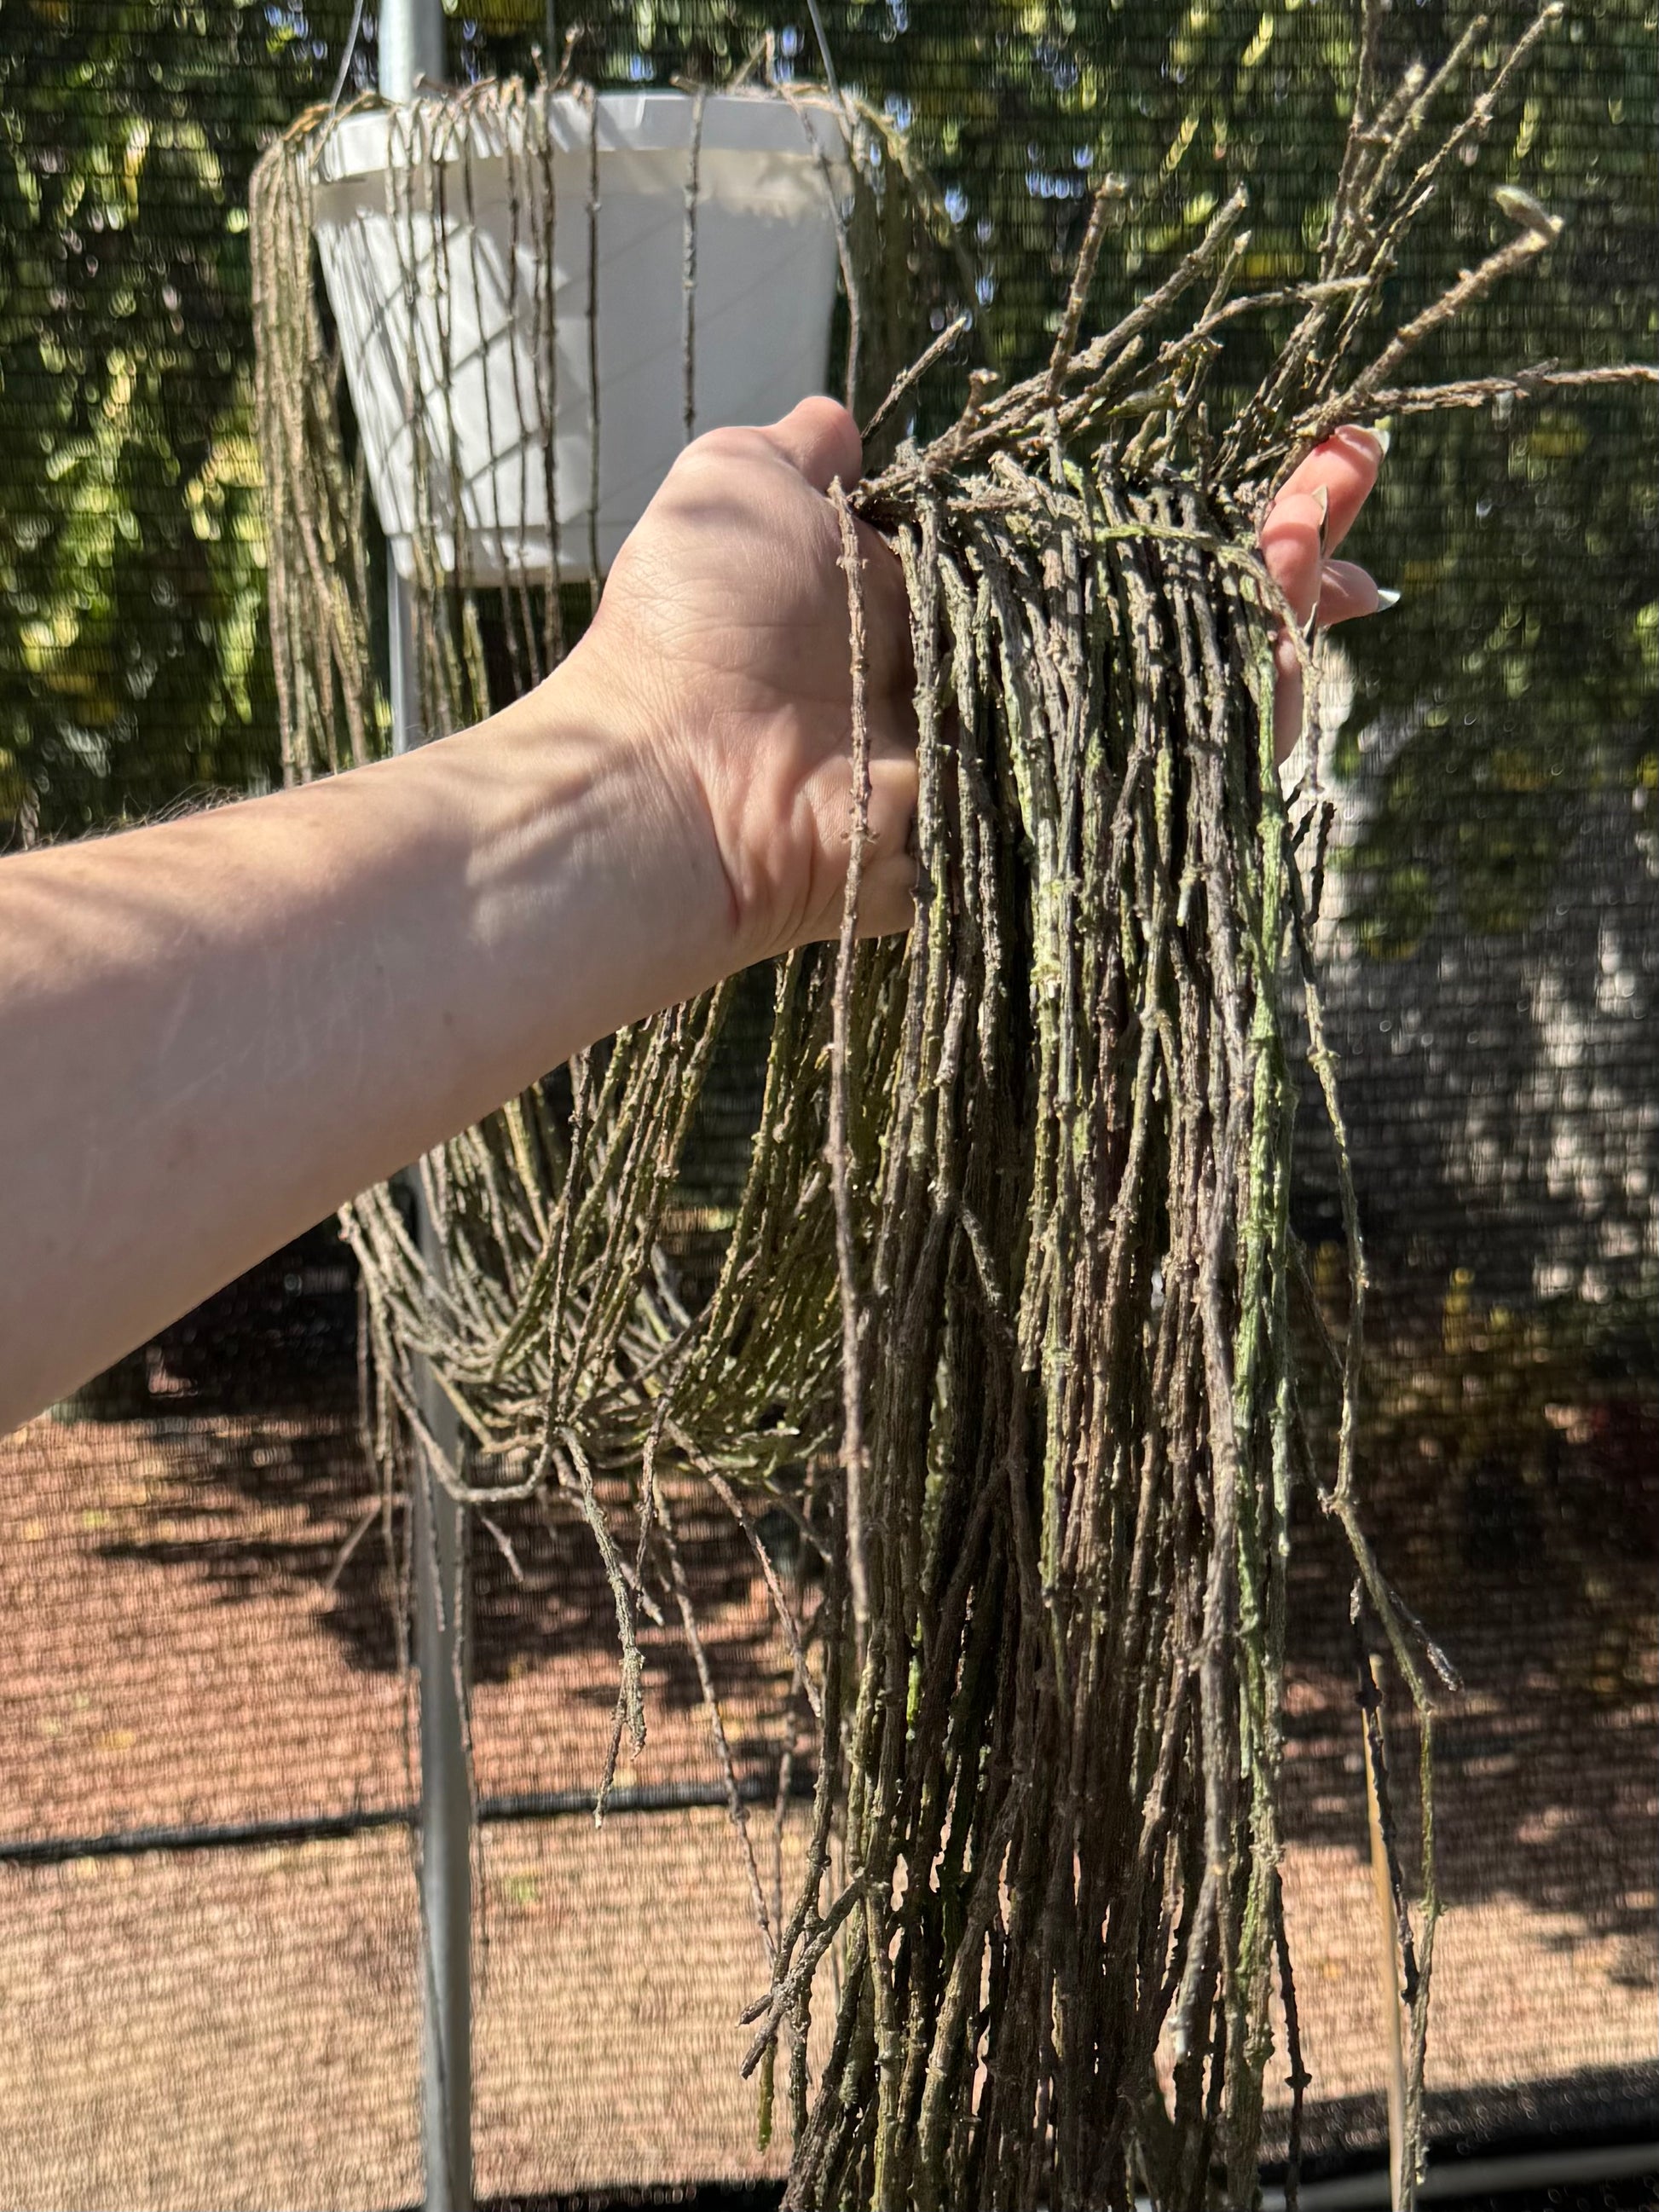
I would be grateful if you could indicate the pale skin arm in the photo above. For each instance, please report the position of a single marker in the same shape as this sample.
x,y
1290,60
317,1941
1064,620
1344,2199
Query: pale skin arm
x,y
216,1030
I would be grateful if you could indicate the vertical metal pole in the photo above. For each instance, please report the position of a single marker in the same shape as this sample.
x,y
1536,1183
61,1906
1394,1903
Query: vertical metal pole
x,y
1393,2043
437,1536
411,46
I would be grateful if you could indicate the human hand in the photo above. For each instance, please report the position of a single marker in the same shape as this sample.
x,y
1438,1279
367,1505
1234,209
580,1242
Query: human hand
x,y
1303,527
723,635
721,644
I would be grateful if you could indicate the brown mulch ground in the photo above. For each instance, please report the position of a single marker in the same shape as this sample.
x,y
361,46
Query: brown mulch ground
x,y
239,2026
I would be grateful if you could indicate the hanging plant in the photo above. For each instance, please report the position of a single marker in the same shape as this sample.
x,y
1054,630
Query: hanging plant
x,y
1004,1325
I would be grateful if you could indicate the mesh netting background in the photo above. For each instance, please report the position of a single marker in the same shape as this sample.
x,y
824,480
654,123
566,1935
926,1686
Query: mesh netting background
x,y
208,1971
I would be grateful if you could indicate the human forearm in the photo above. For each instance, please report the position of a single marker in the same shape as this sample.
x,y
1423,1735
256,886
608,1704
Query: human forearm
x,y
216,1030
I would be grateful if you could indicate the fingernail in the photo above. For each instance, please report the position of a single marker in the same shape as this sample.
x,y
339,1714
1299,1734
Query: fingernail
x,y
1321,493
1385,599
1383,436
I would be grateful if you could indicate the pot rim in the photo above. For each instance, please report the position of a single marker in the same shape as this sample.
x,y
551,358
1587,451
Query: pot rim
x,y
367,142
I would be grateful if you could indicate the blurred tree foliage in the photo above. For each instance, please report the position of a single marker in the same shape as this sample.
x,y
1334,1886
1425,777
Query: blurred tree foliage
x,y
1516,681
133,666
132,659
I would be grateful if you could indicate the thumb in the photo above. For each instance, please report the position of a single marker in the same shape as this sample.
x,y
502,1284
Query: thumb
x,y
820,439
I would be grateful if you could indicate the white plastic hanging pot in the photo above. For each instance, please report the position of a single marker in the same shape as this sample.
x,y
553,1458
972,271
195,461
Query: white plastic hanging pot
x,y
442,306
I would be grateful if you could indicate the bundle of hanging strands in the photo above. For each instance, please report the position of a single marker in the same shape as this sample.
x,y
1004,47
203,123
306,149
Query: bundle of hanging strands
x,y
1004,1327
